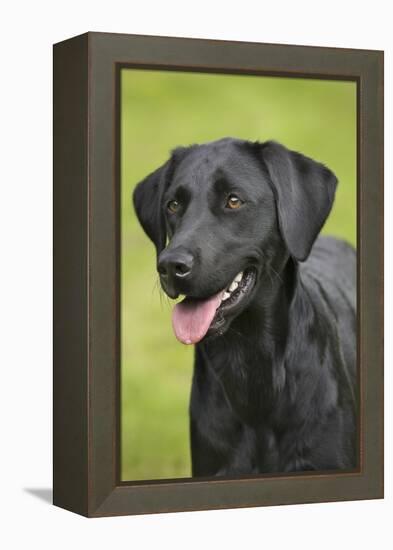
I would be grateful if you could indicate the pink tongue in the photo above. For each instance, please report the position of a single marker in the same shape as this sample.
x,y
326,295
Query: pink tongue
x,y
191,319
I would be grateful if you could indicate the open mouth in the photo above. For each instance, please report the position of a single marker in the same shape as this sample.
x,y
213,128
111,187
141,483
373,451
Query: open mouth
x,y
193,318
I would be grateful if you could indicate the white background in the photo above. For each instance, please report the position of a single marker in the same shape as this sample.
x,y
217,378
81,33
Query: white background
x,y
28,30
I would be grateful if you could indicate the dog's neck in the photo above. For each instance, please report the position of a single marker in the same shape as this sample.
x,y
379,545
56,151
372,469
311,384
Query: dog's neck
x,y
264,330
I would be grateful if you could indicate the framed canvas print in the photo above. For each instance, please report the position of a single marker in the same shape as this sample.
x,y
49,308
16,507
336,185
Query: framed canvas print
x,y
218,274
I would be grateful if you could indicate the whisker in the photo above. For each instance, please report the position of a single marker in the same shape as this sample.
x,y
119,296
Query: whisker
x,y
277,275
271,278
209,245
230,329
157,288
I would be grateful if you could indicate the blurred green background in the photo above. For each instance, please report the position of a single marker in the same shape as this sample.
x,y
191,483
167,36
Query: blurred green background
x,y
159,111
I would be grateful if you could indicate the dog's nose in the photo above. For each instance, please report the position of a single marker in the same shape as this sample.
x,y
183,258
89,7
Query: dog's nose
x,y
177,265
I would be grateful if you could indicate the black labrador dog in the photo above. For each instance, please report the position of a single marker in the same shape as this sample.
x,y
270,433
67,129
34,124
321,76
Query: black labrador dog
x,y
270,307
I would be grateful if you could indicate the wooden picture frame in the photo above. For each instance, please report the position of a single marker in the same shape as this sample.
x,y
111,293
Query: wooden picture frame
x,y
86,272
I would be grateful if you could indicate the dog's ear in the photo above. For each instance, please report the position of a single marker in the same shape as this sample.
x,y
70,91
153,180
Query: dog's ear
x,y
304,190
147,199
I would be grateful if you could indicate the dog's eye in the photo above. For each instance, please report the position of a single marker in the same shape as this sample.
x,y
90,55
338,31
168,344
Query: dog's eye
x,y
173,206
233,202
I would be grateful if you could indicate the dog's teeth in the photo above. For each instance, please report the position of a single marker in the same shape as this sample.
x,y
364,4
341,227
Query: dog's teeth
x,y
225,296
233,286
238,277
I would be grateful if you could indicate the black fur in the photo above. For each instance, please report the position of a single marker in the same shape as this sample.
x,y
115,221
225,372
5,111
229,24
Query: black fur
x,y
274,388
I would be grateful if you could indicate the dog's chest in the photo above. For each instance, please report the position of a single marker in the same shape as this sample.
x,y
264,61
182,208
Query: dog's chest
x,y
241,408
249,381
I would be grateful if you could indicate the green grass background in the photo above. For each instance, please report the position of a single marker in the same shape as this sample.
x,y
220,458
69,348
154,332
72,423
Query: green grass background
x,y
160,110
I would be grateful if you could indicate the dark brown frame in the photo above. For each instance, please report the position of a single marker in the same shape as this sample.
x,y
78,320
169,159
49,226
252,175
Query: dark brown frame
x,y
86,272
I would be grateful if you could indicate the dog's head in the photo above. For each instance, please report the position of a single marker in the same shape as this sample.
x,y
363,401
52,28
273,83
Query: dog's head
x,y
221,214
